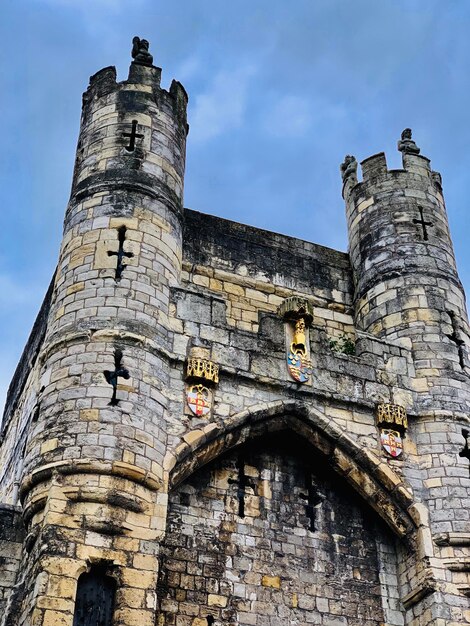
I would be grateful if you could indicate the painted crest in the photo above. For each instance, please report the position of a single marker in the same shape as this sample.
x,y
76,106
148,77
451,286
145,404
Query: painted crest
x,y
299,366
298,363
391,441
198,398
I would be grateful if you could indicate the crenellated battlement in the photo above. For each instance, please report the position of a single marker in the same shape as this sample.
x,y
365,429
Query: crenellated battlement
x,y
104,82
375,172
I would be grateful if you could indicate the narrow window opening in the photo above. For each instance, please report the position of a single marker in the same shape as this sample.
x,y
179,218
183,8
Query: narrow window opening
x,y
456,337
133,135
112,377
121,254
465,452
423,223
210,620
96,592
243,481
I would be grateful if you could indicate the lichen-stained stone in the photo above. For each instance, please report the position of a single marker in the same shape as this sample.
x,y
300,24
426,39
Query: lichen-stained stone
x,y
216,562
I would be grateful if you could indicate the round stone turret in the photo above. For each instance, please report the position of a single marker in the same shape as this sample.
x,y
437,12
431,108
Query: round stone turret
x,y
120,255
406,282
94,457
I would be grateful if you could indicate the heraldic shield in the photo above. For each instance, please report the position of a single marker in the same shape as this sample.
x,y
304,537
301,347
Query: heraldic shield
x,y
298,362
198,398
299,366
391,441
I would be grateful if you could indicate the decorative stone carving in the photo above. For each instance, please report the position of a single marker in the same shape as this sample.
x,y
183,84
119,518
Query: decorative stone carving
x,y
395,420
202,369
406,143
200,372
140,52
298,314
349,169
392,415
294,308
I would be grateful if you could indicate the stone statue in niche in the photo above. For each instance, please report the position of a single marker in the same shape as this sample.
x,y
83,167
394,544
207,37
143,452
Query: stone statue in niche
x,y
406,143
349,169
140,52
298,314
298,361
437,178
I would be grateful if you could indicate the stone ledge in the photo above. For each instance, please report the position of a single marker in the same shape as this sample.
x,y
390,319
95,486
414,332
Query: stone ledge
x,y
89,466
452,539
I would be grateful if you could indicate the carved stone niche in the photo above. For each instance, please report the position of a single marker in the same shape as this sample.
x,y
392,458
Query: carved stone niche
x,y
298,316
202,375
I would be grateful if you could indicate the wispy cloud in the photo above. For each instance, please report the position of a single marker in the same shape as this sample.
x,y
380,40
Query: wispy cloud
x,y
222,107
291,116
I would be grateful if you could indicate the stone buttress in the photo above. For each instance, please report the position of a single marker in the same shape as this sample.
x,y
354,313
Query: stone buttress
x,y
93,459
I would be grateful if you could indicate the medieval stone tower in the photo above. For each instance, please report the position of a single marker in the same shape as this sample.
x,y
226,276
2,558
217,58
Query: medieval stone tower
x,y
217,425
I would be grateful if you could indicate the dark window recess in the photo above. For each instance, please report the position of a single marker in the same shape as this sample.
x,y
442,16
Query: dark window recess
x,y
133,135
423,223
312,501
121,254
456,337
112,377
465,452
96,593
185,499
243,482
210,620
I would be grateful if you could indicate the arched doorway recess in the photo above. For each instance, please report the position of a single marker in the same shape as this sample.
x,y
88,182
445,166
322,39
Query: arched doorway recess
x,y
262,521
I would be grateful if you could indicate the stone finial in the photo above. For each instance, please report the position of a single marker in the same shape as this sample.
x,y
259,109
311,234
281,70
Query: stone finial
x,y
140,52
406,143
349,168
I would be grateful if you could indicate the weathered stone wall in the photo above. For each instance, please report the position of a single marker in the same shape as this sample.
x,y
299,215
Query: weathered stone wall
x,y
11,545
22,407
305,550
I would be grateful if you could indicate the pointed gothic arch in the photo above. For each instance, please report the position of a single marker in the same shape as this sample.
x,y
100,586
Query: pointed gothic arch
x,y
374,481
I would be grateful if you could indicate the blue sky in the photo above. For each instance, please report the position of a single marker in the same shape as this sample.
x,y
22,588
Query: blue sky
x,y
279,92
